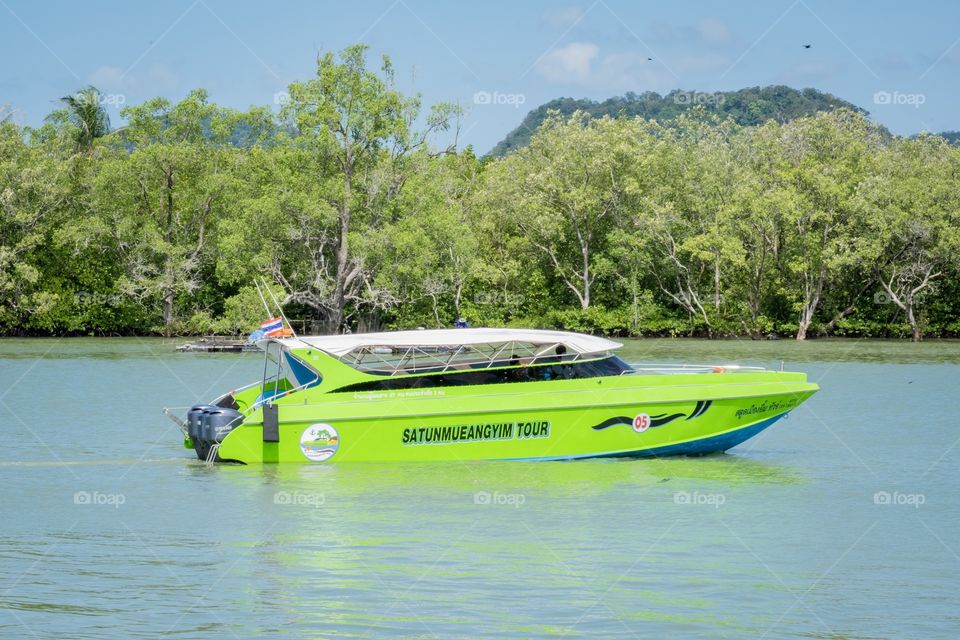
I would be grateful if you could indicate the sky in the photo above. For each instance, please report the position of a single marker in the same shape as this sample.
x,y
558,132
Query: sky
x,y
898,60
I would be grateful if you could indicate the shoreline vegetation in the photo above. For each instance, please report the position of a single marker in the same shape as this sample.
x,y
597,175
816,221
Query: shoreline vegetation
x,y
178,339
358,206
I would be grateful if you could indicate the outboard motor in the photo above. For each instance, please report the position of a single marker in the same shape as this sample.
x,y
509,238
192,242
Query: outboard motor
x,y
193,419
211,424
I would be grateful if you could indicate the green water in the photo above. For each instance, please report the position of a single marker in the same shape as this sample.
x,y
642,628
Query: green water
x,y
110,529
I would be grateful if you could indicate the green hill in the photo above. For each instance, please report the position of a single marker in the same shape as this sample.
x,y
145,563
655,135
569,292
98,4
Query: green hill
x,y
750,106
953,137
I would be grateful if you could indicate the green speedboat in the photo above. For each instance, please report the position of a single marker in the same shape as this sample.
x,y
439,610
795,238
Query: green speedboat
x,y
481,394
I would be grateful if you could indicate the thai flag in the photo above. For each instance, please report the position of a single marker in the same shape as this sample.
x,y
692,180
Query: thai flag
x,y
272,327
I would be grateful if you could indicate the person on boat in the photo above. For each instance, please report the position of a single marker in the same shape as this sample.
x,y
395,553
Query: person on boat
x,y
519,370
559,351
557,371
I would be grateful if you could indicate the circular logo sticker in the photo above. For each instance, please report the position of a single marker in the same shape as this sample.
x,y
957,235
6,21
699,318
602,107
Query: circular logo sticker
x,y
641,423
319,442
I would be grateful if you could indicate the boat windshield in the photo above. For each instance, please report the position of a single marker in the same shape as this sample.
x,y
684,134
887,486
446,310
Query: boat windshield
x,y
283,373
558,370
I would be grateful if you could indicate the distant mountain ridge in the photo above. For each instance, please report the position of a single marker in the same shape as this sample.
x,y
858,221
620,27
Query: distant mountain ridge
x,y
953,137
748,106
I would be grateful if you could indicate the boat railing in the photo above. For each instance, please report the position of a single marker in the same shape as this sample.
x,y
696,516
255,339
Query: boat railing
x,y
256,383
285,392
171,412
643,368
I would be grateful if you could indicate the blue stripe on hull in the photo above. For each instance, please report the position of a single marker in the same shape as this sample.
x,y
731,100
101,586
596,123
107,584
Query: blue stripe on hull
x,y
712,444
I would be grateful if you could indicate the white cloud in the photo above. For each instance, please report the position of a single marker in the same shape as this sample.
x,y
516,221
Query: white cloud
x,y
700,63
153,80
160,78
107,77
632,72
810,72
706,32
580,63
892,61
570,64
713,31
563,18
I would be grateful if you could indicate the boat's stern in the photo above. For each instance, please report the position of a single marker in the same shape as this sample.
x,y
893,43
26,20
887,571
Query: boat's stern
x,y
207,425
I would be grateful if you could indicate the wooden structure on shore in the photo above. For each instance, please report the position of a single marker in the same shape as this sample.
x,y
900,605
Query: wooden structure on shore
x,y
218,344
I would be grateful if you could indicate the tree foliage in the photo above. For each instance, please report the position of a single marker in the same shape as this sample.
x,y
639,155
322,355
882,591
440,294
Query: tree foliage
x,y
747,107
86,115
712,221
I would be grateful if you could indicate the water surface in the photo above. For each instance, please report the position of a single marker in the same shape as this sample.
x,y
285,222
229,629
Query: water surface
x,y
842,521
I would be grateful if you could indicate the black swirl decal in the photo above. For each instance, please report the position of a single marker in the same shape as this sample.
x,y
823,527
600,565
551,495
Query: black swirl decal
x,y
658,420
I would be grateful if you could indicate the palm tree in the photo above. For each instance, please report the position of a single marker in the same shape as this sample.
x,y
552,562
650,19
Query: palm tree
x,y
86,112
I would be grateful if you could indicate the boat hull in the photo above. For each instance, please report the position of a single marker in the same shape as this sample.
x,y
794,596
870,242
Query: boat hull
x,y
559,420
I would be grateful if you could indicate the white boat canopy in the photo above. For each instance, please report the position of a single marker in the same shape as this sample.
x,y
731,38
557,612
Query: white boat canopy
x,y
342,345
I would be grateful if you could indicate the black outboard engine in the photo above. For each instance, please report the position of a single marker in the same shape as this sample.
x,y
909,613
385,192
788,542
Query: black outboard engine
x,y
193,419
208,425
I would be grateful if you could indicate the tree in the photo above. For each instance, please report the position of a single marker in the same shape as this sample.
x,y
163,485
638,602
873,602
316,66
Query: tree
x,y
686,221
913,209
360,130
34,197
157,206
431,252
692,182
86,112
757,228
562,194
822,160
